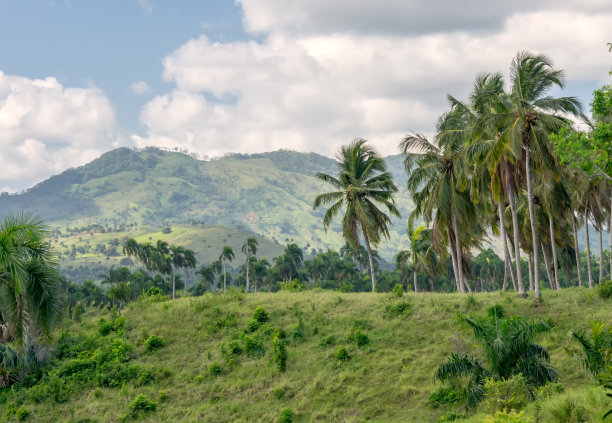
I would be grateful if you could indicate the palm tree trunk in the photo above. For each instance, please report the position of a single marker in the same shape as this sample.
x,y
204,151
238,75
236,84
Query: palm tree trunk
x,y
370,258
601,256
514,285
551,281
173,286
247,273
532,218
224,274
517,240
458,286
577,250
610,230
507,259
414,277
588,248
553,248
530,270
459,257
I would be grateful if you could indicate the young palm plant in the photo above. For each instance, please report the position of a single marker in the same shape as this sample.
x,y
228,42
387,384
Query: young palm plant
x,y
362,186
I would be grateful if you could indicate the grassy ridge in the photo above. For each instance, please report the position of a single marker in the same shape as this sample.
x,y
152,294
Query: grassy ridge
x,y
389,379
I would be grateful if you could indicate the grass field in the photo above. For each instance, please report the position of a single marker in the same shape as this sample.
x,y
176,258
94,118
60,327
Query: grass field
x,y
388,379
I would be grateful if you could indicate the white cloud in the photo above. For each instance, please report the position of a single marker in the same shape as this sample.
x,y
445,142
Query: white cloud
x,y
315,91
140,87
46,128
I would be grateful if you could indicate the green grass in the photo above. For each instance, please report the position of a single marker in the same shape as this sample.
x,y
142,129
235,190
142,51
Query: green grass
x,y
389,379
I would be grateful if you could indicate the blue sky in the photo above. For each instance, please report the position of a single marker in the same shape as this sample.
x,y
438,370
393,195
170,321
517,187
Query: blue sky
x,y
78,78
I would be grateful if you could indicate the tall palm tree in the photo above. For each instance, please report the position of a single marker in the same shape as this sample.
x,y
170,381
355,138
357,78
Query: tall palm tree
x,y
362,186
30,299
421,256
131,248
249,248
177,257
226,255
189,262
207,274
532,115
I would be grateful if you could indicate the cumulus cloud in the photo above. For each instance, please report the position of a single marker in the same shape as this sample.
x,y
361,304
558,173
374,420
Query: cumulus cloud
x,y
46,128
140,87
315,89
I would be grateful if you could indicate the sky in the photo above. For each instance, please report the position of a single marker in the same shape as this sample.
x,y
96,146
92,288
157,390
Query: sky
x,y
82,77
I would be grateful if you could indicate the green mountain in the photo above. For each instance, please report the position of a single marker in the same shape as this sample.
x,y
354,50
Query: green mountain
x,y
128,190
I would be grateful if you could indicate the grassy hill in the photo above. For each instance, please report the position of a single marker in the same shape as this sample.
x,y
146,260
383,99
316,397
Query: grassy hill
x,y
195,376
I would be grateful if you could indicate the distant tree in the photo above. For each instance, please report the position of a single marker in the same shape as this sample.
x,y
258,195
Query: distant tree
x,y
249,248
421,257
226,255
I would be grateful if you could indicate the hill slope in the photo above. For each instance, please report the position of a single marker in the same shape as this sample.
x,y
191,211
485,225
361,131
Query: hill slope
x,y
388,379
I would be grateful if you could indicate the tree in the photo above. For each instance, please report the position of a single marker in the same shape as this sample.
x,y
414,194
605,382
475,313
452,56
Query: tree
x,y
226,255
421,256
177,257
362,186
30,300
249,248
189,262
208,275
531,116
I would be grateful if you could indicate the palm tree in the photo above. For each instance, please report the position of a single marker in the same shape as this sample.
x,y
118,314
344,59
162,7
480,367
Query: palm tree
x,y
30,299
131,248
421,256
208,275
177,257
532,115
363,184
226,255
249,248
189,262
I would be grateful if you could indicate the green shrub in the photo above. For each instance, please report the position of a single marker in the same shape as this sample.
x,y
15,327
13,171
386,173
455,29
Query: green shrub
x,y
22,414
261,315
451,416
153,291
144,378
397,308
342,354
97,393
550,389
327,341
252,326
154,342
507,417
215,369
568,411
444,396
279,352
116,324
359,338
398,290
286,416
604,289
470,301
142,403
293,286
77,312
253,347
509,394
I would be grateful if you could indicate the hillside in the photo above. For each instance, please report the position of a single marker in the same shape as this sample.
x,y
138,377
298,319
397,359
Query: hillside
x,y
270,194
195,376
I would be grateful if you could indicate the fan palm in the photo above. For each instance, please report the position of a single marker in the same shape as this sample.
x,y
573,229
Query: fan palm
x,y
249,248
362,186
226,255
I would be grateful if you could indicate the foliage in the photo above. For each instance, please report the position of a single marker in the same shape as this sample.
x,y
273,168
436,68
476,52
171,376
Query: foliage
x,y
279,352
142,403
444,395
604,289
286,416
398,291
451,416
215,369
397,308
508,417
594,347
342,354
154,342
506,394
260,315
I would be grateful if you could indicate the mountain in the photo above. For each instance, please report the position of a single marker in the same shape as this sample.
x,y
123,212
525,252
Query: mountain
x,y
125,190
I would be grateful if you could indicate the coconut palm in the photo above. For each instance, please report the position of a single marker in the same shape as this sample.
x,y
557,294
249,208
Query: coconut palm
x,y
362,186
531,116
421,256
249,248
226,255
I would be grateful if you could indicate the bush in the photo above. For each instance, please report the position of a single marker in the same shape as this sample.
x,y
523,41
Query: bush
x,y
397,308
444,396
142,403
327,341
261,315
252,326
279,352
470,301
253,347
215,369
398,291
359,338
154,342
115,324
568,411
153,291
451,416
286,416
604,289
509,394
507,417
342,354
550,389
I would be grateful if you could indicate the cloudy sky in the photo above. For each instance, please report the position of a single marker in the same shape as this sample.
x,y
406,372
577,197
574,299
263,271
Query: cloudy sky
x,y
78,78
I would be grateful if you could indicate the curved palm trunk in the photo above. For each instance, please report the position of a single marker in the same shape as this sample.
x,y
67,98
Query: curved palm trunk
x,y
601,256
534,233
453,259
173,286
530,269
588,248
517,240
610,230
462,280
414,277
510,252
507,259
551,281
247,273
553,248
577,250
224,274
370,258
